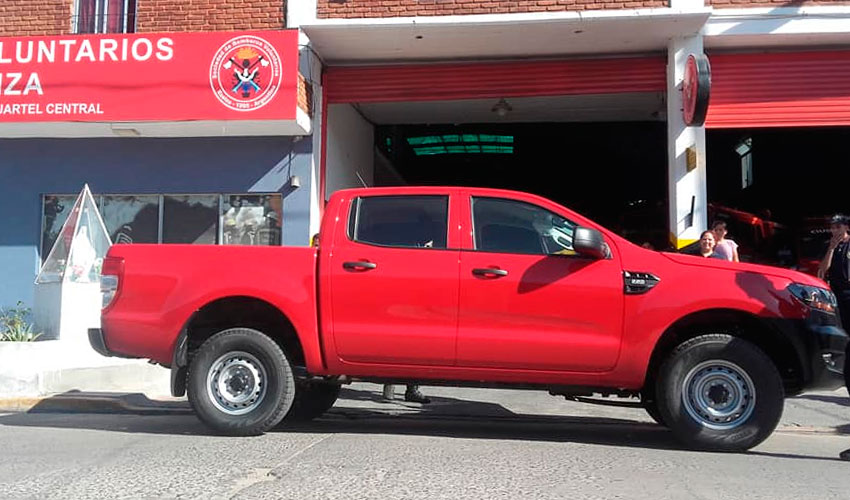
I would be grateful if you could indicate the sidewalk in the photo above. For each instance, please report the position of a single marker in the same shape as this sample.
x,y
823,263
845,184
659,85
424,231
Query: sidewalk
x,y
36,369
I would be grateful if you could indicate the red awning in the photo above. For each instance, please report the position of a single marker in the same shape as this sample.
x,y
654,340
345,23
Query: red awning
x,y
788,89
433,82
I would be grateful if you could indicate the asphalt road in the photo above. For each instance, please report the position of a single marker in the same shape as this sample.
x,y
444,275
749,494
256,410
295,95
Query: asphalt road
x,y
467,444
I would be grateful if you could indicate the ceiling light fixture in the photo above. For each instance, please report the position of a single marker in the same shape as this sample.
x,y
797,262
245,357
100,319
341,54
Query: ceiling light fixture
x,y
502,108
125,131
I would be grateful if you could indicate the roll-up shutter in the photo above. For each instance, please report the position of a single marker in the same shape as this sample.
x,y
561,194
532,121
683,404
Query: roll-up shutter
x,y
788,89
432,82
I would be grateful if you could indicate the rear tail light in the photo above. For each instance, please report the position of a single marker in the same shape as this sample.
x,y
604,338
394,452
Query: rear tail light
x,y
110,279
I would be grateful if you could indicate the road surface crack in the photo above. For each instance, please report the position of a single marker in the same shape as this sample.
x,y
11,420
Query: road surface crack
x,y
266,474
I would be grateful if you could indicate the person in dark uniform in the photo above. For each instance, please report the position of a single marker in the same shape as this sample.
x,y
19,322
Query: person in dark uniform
x,y
835,269
835,266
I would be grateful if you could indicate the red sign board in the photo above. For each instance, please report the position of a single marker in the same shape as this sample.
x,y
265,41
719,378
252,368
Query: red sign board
x,y
696,89
150,77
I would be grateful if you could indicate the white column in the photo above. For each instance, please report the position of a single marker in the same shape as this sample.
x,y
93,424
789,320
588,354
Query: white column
x,y
687,193
311,67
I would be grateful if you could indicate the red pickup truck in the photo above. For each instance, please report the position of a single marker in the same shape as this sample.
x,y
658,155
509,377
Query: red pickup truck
x,y
471,287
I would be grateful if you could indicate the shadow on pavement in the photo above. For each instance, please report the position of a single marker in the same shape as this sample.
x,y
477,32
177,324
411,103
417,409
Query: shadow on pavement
x,y
587,430
838,400
439,405
354,421
445,417
173,425
108,402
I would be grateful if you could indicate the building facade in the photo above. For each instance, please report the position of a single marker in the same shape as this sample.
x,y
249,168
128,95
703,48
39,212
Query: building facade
x,y
579,100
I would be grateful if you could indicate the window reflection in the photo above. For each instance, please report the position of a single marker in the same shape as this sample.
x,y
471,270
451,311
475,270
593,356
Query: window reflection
x,y
55,213
251,219
511,226
190,219
132,219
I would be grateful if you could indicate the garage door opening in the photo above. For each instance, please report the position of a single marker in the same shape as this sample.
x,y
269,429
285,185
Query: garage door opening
x,y
778,187
603,156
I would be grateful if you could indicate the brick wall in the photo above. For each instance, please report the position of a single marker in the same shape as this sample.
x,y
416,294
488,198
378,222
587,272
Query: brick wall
x,y
743,4
400,8
35,17
305,95
209,15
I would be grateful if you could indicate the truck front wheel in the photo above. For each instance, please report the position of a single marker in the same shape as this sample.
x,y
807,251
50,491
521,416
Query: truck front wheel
x,y
240,382
718,392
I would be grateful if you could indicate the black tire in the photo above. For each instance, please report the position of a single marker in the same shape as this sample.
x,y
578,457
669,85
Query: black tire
x,y
651,407
744,368
312,399
250,356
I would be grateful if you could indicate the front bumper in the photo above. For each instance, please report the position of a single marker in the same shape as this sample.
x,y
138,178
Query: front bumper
x,y
820,345
828,357
826,346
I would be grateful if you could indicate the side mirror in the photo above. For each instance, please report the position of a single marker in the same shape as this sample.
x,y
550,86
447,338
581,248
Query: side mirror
x,y
590,243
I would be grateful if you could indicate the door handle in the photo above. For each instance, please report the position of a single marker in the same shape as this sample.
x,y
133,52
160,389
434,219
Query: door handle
x,y
489,272
359,265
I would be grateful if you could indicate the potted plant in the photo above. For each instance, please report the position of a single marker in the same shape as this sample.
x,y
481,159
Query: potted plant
x,y
15,325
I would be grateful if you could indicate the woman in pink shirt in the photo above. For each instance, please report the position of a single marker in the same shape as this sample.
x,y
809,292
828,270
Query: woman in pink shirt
x,y
725,248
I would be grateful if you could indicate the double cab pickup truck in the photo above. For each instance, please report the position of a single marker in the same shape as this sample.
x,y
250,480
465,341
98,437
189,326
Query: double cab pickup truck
x,y
471,287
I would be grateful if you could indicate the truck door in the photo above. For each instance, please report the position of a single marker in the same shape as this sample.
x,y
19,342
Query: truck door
x,y
527,300
394,282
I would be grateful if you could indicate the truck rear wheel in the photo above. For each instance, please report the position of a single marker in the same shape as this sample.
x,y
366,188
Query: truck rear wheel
x,y
312,399
718,392
240,382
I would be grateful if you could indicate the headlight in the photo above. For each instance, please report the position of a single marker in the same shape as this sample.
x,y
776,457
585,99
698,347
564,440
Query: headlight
x,y
814,297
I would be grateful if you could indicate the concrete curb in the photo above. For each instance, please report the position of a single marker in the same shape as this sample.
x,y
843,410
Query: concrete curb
x,y
35,369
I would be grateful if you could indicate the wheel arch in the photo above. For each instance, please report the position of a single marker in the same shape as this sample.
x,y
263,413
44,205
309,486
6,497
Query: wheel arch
x,y
785,351
230,312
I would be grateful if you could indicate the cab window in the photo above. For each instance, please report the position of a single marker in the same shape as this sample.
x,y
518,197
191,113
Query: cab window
x,y
510,226
400,221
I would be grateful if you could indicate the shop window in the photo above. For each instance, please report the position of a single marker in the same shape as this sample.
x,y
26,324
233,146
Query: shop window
x,y
105,16
190,219
509,226
401,221
131,219
209,219
249,219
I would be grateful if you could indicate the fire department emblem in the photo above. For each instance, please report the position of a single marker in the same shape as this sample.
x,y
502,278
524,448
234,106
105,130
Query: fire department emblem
x,y
245,73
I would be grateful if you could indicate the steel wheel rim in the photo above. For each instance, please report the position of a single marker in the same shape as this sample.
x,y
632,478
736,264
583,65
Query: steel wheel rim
x,y
236,383
719,395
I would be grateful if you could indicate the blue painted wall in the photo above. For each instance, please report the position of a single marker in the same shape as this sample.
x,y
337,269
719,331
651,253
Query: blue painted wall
x,y
30,168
